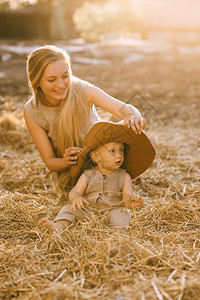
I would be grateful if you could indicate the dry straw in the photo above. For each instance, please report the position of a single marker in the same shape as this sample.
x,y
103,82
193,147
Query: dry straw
x,y
157,258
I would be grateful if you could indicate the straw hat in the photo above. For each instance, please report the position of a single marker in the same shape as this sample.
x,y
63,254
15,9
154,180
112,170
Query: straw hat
x,y
138,153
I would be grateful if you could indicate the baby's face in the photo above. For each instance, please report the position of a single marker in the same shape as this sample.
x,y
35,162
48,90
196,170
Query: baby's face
x,y
111,156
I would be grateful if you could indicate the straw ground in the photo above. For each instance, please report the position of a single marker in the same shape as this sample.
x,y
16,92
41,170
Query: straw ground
x,y
159,256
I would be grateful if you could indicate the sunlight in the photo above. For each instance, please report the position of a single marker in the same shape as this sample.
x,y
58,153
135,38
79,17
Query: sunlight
x,y
93,20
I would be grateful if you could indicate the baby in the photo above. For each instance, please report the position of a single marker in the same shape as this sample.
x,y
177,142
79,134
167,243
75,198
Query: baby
x,y
107,186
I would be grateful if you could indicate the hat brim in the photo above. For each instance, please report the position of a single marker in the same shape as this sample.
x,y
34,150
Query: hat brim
x,y
139,153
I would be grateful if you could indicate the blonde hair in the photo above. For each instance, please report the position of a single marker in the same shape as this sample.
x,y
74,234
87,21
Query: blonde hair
x,y
75,108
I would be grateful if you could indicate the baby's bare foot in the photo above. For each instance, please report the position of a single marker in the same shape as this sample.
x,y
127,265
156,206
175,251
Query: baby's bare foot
x,y
44,222
137,203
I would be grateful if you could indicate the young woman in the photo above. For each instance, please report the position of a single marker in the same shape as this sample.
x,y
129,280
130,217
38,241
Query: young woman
x,y
62,110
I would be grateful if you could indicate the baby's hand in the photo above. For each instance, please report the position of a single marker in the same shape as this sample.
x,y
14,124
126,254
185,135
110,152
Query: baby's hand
x,y
79,203
133,201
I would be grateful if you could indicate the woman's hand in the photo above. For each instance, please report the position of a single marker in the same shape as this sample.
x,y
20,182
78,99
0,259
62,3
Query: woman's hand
x,y
137,124
70,156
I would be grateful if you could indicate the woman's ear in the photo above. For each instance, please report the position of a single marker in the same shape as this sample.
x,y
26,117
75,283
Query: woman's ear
x,y
94,156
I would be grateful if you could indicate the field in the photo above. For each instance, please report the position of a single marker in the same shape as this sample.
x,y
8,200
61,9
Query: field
x,y
159,256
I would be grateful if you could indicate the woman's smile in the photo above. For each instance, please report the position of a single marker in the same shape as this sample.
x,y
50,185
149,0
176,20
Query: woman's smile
x,y
60,92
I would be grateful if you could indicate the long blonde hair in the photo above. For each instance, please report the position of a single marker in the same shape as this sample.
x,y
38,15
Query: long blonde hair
x,y
74,108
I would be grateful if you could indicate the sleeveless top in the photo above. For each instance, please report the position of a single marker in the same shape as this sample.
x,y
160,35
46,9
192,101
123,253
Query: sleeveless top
x,y
46,117
104,190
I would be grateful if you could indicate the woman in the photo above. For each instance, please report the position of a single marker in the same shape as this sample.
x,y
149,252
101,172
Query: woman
x,y
62,110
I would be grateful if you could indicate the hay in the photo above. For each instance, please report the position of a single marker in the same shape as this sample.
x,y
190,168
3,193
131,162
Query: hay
x,y
157,258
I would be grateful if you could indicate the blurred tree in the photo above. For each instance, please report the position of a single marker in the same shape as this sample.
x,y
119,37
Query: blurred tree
x,y
92,19
70,5
15,4
4,4
66,9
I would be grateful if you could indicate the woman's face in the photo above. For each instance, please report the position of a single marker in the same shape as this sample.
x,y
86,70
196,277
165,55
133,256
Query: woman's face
x,y
55,82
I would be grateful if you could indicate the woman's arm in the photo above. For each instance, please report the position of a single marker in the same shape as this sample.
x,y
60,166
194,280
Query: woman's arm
x,y
130,199
44,146
131,115
76,194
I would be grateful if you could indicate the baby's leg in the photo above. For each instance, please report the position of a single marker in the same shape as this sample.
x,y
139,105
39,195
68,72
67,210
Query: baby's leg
x,y
63,219
119,217
61,224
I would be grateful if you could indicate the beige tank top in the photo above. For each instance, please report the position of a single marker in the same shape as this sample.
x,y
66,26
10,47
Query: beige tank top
x,y
46,117
104,190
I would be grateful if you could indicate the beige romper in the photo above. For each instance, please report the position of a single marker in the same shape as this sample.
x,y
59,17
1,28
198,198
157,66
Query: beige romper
x,y
103,192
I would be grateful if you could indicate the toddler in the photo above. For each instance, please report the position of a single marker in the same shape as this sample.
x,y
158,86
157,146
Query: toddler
x,y
117,155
